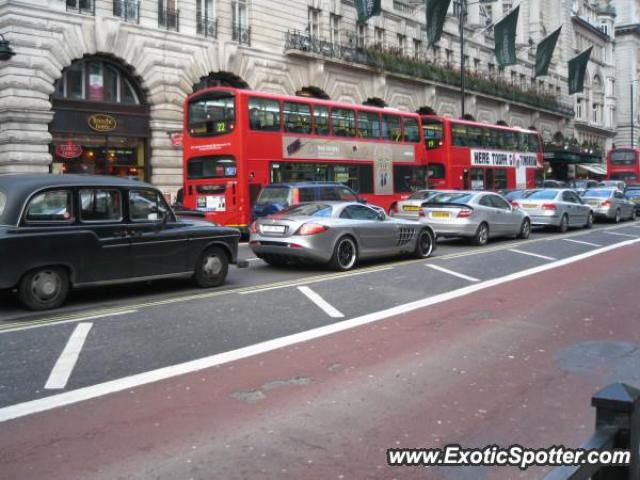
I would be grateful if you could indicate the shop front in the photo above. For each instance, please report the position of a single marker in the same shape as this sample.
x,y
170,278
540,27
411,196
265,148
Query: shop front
x,y
100,125
566,165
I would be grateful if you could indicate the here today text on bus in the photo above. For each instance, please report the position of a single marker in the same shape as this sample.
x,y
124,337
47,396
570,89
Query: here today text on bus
x,y
236,141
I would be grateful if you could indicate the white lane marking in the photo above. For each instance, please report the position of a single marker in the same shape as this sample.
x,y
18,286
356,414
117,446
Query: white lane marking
x,y
325,306
315,280
61,372
256,259
86,393
71,320
522,252
581,242
455,274
621,234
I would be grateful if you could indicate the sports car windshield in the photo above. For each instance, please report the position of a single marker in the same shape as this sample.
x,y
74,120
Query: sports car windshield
x,y
310,210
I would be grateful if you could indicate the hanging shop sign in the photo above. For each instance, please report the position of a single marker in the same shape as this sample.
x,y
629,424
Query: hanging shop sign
x,y
101,122
68,150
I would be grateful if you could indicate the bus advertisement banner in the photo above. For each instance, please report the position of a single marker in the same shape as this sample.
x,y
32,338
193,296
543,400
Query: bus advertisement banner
x,y
305,148
491,158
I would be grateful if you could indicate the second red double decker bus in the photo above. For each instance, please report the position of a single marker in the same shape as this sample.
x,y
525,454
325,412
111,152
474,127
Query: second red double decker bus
x,y
236,141
476,156
624,164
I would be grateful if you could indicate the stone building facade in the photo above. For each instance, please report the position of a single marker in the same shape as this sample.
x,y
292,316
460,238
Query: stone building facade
x,y
98,85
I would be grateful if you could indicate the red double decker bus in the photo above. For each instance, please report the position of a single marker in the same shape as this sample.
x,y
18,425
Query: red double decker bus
x,y
624,164
476,156
236,141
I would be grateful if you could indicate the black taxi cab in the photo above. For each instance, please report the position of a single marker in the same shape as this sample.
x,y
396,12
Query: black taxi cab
x,y
59,232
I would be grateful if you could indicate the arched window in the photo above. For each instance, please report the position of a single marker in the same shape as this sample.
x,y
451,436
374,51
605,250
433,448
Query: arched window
x,y
97,80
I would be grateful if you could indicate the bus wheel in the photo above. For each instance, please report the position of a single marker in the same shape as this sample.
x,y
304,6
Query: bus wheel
x,y
211,269
482,235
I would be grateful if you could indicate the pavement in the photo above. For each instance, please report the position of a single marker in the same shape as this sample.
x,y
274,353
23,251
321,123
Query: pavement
x,y
319,373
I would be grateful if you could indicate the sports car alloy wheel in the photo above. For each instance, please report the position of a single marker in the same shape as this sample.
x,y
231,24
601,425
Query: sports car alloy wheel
x,y
424,244
345,255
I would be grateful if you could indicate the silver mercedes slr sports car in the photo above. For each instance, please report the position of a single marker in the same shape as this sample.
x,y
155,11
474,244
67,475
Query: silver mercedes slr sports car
x,y
338,234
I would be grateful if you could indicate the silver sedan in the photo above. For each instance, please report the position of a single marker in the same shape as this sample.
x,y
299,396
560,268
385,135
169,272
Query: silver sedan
x,y
475,215
338,234
409,208
557,207
610,204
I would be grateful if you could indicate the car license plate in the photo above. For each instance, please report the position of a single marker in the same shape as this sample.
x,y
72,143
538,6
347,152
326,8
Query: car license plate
x,y
440,215
272,228
529,205
410,208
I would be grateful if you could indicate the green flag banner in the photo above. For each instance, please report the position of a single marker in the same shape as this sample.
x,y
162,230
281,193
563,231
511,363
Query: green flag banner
x,y
577,70
367,9
544,53
436,15
505,35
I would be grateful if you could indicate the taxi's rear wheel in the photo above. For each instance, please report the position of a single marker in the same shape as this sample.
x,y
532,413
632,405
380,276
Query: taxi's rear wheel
x,y
345,255
44,288
424,244
211,269
482,235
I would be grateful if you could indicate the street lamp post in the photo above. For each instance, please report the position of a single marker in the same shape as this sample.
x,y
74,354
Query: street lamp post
x,y
631,101
463,8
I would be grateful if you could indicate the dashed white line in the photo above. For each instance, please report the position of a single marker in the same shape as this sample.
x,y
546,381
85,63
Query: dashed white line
x,y
622,234
325,306
94,391
582,242
455,274
522,252
67,361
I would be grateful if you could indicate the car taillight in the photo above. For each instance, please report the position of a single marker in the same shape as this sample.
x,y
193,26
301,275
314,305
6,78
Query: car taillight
x,y
465,213
549,206
606,203
253,228
395,207
515,204
422,213
311,229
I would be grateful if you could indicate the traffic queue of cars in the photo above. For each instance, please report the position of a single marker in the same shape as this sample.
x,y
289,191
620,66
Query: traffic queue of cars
x,y
84,230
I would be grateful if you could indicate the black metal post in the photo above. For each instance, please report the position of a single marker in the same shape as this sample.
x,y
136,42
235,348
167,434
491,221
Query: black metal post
x,y
632,122
462,66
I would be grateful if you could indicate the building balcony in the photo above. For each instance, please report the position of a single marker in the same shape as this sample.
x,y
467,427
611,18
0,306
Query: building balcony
x,y
86,7
241,34
127,10
169,19
392,60
207,26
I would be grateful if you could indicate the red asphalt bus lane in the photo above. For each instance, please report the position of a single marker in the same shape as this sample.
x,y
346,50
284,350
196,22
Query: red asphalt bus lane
x,y
488,368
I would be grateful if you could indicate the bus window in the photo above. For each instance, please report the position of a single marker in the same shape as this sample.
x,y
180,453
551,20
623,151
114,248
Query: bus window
x,y
500,179
264,114
211,167
433,133
477,179
411,130
407,178
623,157
488,178
459,134
321,120
391,128
474,137
435,171
211,114
368,125
509,140
344,122
297,117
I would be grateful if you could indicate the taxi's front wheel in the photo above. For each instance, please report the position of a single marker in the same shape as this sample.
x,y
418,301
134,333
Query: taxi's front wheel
x,y
211,270
44,288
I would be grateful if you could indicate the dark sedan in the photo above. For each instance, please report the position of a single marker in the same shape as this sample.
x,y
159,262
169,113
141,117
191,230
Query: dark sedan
x,y
59,232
